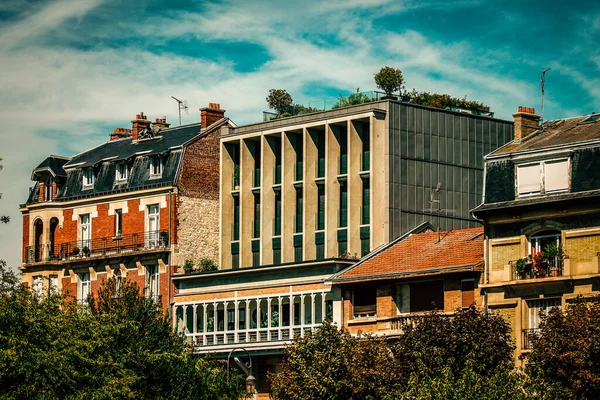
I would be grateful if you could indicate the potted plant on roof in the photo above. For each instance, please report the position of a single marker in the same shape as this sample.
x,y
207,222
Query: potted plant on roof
x,y
523,267
389,80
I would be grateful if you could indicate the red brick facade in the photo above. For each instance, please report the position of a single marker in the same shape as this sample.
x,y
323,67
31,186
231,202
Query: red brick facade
x,y
200,168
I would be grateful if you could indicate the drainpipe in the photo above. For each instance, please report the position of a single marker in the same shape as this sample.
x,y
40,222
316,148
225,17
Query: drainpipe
x,y
170,258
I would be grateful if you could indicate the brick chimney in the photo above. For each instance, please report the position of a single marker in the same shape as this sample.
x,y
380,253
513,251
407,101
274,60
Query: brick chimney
x,y
161,123
120,133
526,122
211,114
138,125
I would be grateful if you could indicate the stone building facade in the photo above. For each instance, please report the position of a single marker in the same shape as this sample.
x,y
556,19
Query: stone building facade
x,y
541,215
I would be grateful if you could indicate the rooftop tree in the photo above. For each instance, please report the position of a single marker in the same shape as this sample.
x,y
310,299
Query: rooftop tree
x,y
279,100
389,80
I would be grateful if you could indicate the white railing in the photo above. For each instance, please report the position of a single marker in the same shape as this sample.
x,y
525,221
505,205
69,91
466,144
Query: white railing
x,y
261,335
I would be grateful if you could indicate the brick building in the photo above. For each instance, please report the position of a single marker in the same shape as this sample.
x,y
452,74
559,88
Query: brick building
x,y
417,273
541,213
125,208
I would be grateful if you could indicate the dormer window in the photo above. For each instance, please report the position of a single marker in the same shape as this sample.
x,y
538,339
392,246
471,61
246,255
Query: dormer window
x,y
88,177
543,177
121,172
155,167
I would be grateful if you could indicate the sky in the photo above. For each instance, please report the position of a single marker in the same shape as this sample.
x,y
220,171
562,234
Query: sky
x,y
71,71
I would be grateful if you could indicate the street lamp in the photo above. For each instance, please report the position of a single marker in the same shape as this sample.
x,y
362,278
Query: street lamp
x,y
250,384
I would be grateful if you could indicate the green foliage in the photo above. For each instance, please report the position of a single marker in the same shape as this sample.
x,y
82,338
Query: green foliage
x,y
331,364
207,264
389,80
122,347
565,359
188,266
438,100
523,266
278,100
353,99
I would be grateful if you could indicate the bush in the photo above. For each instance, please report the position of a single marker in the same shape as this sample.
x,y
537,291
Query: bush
x,y
188,266
353,99
206,264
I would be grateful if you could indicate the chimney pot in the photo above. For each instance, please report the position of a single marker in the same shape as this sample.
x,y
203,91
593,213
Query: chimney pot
x,y
211,114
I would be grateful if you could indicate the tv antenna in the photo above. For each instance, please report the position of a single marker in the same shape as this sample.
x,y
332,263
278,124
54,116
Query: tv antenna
x,y
439,208
181,105
542,81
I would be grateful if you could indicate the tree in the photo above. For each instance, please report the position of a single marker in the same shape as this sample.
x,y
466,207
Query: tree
x,y
122,347
331,364
389,80
438,100
565,360
279,100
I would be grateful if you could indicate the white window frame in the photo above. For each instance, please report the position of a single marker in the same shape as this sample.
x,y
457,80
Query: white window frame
x,y
84,289
53,284
88,177
542,168
85,227
156,166
533,315
118,222
152,281
118,280
534,240
153,235
38,285
121,172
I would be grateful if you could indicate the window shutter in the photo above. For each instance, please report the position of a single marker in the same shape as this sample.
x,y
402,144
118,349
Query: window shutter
x,y
529,180
556,175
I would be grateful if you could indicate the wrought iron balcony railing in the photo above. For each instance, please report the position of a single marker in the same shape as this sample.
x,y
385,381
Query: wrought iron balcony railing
x,y
150,240
528,336
550,267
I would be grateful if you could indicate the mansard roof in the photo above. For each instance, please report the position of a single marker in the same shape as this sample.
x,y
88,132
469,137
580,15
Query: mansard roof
x,y
52,164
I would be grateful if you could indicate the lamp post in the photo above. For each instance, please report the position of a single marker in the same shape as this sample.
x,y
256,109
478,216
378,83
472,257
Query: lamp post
x,y
246,368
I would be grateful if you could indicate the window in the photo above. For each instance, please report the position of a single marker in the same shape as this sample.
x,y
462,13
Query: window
x,y
48,189
256,223
118,222
84,289
298,221
543,177
152,282
86,230
153,225
366,203
536,307
37,285
320,207
53,284
121,172
277,225
364,302
88,177
155,166
426,296
118,280
540,241
343,218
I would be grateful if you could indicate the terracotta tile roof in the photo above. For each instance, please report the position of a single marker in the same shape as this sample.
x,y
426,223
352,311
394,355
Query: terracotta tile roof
x,y
556,133
420,254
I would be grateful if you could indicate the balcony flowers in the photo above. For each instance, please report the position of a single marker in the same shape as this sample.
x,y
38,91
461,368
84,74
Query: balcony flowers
x,y
524,266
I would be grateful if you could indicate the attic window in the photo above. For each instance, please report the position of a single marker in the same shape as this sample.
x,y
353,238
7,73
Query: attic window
x,y
121,172
591,119
543,177
155,167
88,177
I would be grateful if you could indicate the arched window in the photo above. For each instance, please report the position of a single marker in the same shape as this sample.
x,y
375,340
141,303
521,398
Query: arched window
x,y
541,240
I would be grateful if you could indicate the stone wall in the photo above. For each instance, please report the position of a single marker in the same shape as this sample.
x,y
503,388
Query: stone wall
x,y
197,231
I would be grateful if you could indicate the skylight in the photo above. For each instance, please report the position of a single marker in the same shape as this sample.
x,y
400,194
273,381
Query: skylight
x,y
591,119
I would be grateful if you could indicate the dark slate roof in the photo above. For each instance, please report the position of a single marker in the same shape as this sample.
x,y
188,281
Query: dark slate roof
x,y
556,133
124,149
53,164
535,201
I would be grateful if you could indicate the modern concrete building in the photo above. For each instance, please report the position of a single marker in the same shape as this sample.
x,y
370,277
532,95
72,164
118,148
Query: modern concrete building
x,y
541,213
302,198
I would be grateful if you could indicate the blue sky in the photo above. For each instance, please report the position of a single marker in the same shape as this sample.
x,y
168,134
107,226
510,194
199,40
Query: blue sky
x,y
71,71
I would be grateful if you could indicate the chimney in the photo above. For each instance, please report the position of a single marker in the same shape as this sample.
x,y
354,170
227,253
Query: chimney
x,y
211,114
526,122
120,133
161,123
138,125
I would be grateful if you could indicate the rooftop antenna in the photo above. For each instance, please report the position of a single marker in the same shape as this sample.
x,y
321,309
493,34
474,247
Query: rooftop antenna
x,y
439,208
542,81
181,105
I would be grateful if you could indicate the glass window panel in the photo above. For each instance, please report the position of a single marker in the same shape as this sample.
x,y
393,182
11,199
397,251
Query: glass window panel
x,y
528,177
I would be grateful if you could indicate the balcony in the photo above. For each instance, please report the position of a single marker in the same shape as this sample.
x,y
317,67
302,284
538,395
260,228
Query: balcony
x,y
100,247
529,335
548,267
397,323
